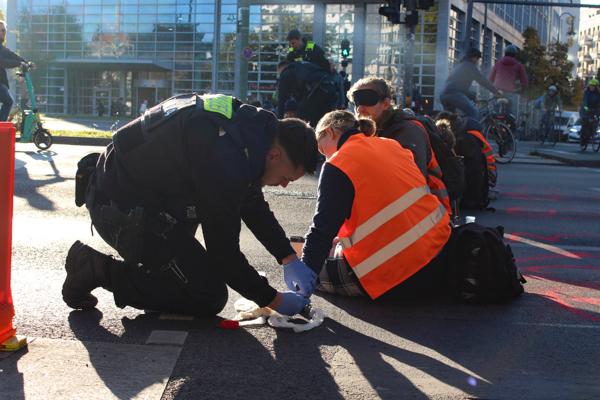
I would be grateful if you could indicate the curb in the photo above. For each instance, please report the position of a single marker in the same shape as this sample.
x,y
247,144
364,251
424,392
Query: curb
x,y
566,160
84,141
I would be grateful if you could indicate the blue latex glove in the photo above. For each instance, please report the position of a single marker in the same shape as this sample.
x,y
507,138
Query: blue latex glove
x,y
291,303
299,278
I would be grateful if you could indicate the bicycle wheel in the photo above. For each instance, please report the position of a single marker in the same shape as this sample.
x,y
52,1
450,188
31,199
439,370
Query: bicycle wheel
x,y
596,142
503,143
583,138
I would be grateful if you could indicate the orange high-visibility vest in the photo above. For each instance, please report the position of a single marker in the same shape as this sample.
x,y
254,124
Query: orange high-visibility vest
x,y
434,174
396,225
489,156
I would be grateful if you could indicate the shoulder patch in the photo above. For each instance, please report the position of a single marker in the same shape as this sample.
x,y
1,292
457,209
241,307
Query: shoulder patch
x,y
219,103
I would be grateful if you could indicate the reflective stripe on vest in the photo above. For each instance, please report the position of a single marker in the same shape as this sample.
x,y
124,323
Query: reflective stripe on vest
x,y
396,225
218,103
487,151
401,243
310,45
434,173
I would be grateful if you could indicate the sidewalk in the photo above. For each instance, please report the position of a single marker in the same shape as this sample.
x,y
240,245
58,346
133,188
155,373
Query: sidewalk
x,y
567,153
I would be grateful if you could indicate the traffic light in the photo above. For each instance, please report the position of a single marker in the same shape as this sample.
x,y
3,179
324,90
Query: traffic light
x,y
391,11
424,4
412,18
345,45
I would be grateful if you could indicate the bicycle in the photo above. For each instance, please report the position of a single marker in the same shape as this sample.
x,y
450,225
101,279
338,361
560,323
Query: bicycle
x,y
496,131
549,132
589,132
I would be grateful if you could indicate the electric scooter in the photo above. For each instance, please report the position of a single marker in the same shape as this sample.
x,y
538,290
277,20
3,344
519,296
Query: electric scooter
x,y
31,124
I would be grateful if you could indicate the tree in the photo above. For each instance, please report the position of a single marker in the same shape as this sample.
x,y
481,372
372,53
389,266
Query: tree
x,y
533,57
546,66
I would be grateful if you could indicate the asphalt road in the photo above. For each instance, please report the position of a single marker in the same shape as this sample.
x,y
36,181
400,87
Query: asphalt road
x,y
545,345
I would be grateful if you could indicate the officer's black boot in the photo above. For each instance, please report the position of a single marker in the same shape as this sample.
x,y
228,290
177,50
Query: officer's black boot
x,y
87,269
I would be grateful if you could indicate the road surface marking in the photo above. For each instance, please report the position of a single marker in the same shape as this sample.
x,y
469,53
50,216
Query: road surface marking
x,y
576,326
596,189
548,247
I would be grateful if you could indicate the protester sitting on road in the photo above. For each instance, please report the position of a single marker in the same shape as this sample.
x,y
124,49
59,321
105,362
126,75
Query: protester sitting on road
x,y
390,229
302,49
456,94
506,72
462,126
314,90
373,99
193,160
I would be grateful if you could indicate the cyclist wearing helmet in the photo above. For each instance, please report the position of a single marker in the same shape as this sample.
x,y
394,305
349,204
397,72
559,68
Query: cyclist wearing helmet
x,y
506,72
590,107
591,98
551,102
456,94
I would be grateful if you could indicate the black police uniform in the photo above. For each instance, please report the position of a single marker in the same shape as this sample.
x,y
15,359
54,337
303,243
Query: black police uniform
x,y
309,52
314,90
181,166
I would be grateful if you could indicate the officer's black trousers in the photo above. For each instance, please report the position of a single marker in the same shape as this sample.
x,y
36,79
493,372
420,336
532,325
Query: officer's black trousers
x,y
175,275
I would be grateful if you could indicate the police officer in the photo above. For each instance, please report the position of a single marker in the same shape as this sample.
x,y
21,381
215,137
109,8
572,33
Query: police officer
x,y
305,50
191,160
313,89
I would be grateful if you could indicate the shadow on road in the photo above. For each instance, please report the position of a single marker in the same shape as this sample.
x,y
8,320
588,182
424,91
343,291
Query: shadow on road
x,y
126,374
12,384
29,188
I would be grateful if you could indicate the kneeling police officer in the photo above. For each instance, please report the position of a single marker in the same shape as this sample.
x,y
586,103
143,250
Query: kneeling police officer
x,y
191,160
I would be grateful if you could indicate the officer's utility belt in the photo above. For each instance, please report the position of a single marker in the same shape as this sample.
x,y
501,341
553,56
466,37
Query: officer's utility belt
x,y
131,228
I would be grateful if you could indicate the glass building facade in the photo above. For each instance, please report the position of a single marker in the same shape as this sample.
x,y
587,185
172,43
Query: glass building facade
x,y
107,51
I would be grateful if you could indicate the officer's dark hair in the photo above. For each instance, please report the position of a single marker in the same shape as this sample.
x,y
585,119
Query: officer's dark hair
x,y
298,140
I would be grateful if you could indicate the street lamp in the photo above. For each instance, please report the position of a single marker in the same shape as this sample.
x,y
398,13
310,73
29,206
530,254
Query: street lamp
x,y
571,31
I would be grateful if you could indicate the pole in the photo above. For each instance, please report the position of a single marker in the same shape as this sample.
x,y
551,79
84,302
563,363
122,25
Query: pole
x,y
8,339
409,66
241,63
468,27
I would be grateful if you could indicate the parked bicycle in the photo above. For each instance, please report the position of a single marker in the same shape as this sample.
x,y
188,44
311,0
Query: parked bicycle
x,y
549,131
496,130
589,132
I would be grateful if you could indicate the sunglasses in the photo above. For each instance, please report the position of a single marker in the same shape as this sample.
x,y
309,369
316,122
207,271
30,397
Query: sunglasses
x,y
366,97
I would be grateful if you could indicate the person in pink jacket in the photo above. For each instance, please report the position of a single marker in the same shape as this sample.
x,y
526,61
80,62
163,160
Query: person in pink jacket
x,y
506,72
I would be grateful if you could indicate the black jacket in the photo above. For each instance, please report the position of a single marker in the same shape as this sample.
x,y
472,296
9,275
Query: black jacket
x,y
315,56
296,80
205,162
8,59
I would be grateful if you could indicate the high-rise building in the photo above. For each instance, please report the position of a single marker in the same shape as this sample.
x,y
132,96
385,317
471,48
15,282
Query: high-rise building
x,y
588,38
91,51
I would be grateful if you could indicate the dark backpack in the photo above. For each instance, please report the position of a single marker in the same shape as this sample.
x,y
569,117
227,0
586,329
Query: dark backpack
x,y
453,172
476,194
86,168
482,267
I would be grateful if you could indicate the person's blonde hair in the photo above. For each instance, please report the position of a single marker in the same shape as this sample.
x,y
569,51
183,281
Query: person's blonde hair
x,y
344,120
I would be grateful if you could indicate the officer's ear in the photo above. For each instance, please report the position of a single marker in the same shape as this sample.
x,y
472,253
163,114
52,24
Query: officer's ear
x,y
274,153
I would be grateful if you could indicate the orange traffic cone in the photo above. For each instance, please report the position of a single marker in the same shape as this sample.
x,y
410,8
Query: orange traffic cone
x,y
8,338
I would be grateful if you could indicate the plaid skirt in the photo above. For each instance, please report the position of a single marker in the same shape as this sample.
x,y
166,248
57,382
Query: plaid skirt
x,y
337,277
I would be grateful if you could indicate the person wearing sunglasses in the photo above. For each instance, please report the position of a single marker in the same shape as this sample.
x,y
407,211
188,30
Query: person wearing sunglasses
x,y
372,98
373,204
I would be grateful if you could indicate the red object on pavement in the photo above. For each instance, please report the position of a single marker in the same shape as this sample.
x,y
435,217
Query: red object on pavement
x,y
229,324
7,174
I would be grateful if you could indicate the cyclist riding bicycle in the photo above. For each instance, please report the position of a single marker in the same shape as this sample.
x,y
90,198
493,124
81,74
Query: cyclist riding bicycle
x,y
551,102
590,107
456,94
